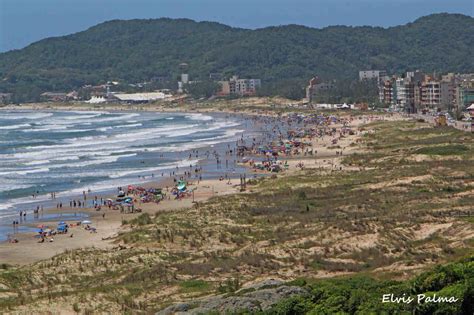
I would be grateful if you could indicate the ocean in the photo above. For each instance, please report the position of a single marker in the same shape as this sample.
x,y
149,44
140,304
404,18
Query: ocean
x,y
70,152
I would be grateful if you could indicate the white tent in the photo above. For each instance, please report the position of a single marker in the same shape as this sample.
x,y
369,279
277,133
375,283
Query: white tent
x,y
96,100
141,97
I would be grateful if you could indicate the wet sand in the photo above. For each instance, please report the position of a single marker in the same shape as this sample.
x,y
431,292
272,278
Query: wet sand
x,y
28,250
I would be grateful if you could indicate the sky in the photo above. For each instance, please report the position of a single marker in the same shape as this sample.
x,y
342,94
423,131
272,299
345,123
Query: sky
x,y
25,21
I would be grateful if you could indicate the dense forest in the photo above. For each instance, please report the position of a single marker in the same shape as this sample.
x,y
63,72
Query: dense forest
x,y
282,56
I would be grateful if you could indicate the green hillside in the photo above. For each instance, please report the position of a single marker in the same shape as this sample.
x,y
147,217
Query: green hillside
x,y
138,50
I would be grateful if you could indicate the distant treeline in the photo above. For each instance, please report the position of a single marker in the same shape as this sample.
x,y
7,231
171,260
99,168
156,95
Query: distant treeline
x,y
284,57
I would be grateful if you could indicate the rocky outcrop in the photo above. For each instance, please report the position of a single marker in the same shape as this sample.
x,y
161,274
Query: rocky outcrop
x,y
256,298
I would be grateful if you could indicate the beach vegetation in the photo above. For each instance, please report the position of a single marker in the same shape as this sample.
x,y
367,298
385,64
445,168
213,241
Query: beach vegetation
x,y
373,228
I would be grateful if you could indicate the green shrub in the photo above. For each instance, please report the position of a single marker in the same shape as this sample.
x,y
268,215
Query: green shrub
x,y
455,149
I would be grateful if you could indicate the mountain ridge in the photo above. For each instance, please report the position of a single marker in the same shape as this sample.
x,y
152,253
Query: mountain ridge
x,y
140,49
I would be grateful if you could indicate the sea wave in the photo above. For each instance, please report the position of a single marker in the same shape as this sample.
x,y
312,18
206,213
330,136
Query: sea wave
x,y
25,115
45,128
95,160
201,117
11,127
24,171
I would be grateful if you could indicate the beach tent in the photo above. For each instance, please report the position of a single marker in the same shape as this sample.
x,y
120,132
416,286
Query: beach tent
x,y
86,222
181,185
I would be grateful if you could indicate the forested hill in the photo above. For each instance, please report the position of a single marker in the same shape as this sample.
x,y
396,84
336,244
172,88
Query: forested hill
x,y
137,50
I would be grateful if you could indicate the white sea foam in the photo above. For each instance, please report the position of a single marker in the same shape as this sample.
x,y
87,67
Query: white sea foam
x,y
25,171
120,117
82,116
95,161
88,112
129,126
199,117
103,129
15,126
25,115
73,130
66,158
45,128
11,187
37,162
123,137
117,180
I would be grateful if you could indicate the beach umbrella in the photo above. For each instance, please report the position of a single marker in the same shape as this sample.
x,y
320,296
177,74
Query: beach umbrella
x,y
62,223
86,222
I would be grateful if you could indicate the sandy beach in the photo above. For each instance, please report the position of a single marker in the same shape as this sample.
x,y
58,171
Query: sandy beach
x,y
108,223
29,250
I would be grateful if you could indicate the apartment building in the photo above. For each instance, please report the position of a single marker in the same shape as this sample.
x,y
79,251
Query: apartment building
x,y
416,91
447,91
242,87
387,92
430,93
372,74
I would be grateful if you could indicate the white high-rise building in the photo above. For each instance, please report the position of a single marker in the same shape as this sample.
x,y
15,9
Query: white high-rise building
x,y
372,74
185,78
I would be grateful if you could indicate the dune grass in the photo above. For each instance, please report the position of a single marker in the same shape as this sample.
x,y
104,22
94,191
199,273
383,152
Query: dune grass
x,y
387,213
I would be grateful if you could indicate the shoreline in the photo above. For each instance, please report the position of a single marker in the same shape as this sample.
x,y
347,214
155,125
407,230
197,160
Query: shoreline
x,y
164,107
28,250
180,159
108,226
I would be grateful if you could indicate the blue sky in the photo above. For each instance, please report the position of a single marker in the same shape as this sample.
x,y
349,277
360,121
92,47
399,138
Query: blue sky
x,y
25,21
